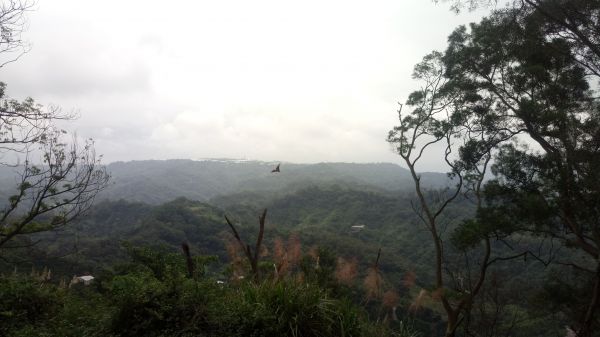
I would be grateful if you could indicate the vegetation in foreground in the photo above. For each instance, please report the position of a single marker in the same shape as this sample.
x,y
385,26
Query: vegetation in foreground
x,y
154,294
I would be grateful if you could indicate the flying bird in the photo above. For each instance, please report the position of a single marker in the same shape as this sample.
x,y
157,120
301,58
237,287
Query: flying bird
x,y
275,170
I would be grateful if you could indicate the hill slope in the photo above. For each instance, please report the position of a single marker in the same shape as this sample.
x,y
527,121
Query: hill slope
x,y
159,181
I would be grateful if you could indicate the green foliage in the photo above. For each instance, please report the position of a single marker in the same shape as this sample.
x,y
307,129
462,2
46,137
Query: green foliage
x,y
155,297
179,306
149,276
467,235
156,182
288,309
151,307
161,262
26,302
320,272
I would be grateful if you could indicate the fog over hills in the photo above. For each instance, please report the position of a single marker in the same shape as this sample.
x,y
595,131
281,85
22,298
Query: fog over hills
x,y
158,181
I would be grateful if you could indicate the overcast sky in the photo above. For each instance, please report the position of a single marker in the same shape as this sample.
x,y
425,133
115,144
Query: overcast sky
x,y
303,81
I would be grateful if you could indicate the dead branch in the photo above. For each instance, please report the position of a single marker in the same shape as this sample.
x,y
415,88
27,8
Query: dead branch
x,y
251,256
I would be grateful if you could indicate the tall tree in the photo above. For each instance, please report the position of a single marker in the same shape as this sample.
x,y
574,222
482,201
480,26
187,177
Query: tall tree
x,y
447,116
574,21
536,63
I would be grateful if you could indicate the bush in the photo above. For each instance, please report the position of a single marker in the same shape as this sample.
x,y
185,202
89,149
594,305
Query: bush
x,y
288,309
157,297
26,301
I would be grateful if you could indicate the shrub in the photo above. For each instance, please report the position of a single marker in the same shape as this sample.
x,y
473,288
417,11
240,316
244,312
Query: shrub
x,y
26,301
288,308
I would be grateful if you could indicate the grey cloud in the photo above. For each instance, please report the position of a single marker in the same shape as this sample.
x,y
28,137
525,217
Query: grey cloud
x,y
66,76
267,86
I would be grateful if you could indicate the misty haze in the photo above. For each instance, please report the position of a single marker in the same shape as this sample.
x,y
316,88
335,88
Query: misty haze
x,y
394,168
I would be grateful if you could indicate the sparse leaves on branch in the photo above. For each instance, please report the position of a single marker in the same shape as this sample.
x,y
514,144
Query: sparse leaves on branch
x,y
59,177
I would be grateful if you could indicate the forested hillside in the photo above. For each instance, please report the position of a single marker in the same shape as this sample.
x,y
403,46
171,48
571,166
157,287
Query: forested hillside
x,y
319,218
158,181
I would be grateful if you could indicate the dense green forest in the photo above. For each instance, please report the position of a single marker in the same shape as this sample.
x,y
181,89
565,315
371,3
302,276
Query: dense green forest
x,y
504,242
157,182
320,218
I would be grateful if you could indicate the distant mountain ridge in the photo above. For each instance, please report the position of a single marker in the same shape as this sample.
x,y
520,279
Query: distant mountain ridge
x,y
159,181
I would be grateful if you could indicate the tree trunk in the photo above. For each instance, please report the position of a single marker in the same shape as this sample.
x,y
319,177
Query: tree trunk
x,y
452,323
586,326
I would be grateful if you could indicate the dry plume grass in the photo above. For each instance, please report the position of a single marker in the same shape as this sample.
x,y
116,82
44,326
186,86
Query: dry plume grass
x,y
409,279
418,301
280,257
313,252
437,294
373,283
390,299
346,270
43,276
294,249
237,259
286,257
